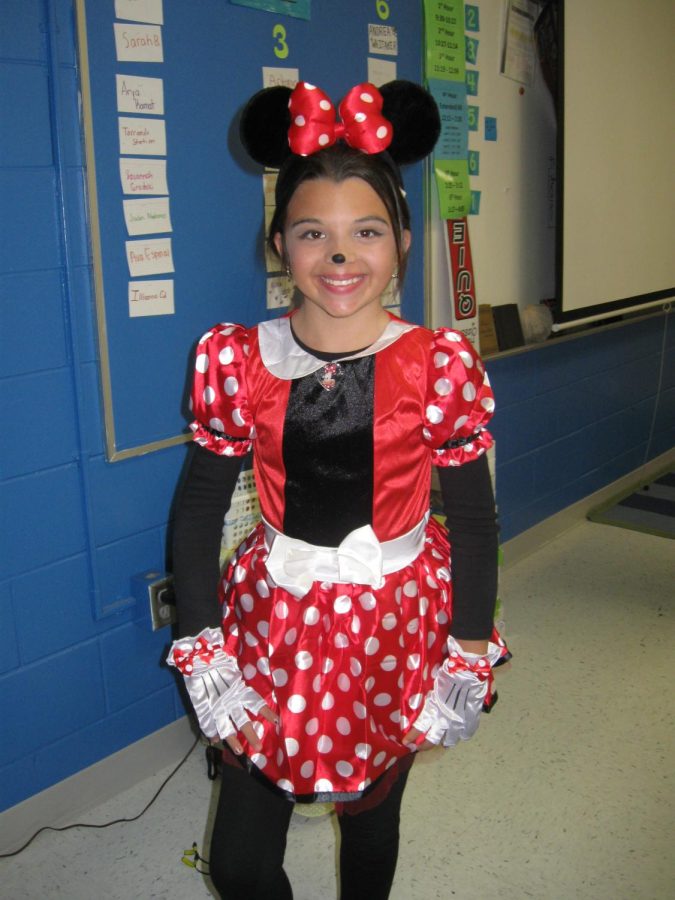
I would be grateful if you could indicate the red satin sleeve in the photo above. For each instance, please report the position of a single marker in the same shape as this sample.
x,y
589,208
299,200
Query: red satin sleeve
x,y
459,401
223,422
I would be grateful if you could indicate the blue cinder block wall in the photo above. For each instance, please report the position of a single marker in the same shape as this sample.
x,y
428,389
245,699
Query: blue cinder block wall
x,y
75,686
575,415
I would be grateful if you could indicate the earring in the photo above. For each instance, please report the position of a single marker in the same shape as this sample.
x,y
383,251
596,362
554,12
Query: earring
x,y
288,272
394,274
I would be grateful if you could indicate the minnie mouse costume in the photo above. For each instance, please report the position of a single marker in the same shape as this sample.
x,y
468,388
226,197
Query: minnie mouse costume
x,y
337,608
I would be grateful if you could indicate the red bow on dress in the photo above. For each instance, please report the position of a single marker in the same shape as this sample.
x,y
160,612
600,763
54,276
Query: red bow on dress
x,y
314,125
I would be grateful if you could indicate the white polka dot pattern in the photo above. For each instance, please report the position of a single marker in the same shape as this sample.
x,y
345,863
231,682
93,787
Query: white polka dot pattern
x,y
359,122
459,401
344,701
222,423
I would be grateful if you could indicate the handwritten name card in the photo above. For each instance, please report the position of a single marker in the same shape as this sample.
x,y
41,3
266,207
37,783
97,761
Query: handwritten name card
x,y
140,95
151,257
143,177
138,43
144,136
147,216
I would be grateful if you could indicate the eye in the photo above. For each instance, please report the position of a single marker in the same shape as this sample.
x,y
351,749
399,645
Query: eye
x,y
311,234
369,233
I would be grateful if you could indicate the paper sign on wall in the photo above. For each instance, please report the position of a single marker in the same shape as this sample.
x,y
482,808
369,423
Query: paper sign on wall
x,y
140,10
472,45
279,292
461,269
147,216
450,97
151,257
278,77
151,298
143,176
454,193
380,71
269,187
140,95
300,9
444,39
382,39
143,136
138,43
518,55
272,261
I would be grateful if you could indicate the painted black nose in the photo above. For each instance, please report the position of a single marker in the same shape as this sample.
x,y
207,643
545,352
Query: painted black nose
x,y
339,258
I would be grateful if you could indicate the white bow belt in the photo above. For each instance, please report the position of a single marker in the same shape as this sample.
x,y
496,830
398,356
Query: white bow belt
x,y
360,558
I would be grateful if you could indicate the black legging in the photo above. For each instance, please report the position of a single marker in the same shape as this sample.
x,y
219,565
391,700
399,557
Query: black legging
x,y
249,842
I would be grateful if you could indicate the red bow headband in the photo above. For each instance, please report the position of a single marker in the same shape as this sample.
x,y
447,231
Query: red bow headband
x,y
314,125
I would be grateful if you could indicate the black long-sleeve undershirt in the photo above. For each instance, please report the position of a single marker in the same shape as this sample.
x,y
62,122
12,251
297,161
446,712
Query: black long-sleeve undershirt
x,y
471,520
204,498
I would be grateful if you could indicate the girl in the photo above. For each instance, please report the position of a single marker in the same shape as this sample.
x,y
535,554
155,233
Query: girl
x,y
351,637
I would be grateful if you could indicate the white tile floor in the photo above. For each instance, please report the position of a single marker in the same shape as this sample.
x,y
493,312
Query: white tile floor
x,y
564,793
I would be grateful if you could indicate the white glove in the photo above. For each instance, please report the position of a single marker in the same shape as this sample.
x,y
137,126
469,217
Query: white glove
x,y
452,708
219,694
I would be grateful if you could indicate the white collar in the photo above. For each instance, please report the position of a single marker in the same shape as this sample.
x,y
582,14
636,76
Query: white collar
x,y
285,358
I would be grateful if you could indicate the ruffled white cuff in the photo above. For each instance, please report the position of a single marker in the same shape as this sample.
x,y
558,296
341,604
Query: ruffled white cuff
x,y
452,709
220,696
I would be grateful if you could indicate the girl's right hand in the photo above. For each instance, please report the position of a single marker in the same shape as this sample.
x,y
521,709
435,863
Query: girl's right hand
x,y
248,731
416,741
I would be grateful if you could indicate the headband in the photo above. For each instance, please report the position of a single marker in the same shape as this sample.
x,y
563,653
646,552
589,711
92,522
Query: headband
x,y
401,118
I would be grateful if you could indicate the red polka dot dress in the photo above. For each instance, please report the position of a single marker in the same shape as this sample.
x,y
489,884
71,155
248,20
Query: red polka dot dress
x,y
337,606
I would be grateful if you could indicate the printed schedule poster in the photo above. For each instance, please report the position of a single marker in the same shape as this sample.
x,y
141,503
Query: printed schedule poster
x,y
299,9
451,99
454,192
444,37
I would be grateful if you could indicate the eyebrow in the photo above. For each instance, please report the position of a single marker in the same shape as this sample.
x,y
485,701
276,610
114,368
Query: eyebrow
x,y
360,221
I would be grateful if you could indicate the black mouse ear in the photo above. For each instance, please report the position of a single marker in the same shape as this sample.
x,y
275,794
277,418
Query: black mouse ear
x,y
414,116
264,125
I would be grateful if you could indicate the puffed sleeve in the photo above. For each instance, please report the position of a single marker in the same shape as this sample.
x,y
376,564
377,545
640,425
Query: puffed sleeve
x,y
223,421
459,401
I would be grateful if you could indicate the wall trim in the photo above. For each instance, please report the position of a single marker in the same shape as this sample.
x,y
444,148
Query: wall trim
x,y
66,801
528,542
70,798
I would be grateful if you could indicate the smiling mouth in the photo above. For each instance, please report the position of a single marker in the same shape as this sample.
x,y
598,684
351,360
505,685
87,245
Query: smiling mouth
x,y
341,282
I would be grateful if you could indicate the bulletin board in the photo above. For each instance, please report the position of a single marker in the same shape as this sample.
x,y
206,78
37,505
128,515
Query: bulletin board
x,y
206,58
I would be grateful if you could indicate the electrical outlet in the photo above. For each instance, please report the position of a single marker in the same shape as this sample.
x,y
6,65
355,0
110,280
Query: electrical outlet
x,y
153,592
162,606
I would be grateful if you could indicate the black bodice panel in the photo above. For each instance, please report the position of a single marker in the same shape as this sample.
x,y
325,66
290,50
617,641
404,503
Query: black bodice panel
x,y
328,454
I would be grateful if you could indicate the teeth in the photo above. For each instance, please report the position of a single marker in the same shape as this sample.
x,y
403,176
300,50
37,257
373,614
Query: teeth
x,y
341,282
